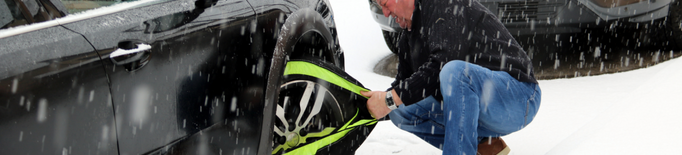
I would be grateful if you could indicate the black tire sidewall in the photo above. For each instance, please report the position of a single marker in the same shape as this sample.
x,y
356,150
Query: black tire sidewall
x,y
391,39
674,25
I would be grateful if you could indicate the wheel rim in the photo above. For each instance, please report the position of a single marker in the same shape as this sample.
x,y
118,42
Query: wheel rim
x,y
306,112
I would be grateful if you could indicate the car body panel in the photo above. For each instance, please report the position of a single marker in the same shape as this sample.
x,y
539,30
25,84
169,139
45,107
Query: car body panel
x,y
192,79
203,70
55,95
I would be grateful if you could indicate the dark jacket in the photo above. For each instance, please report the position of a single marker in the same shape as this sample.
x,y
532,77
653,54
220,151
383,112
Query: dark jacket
x,y
446,30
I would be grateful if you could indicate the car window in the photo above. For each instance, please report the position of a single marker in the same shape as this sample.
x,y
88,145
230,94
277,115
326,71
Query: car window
x,y
22,12
74,6
5,14
10,14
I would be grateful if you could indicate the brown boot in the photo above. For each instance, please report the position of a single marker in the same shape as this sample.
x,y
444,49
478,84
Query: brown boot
x,y
493,146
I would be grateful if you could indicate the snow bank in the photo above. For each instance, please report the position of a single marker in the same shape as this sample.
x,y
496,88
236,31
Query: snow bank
x,y
635,112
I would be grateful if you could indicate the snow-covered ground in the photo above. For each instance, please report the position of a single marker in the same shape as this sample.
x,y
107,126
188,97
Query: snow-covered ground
x,y
635,112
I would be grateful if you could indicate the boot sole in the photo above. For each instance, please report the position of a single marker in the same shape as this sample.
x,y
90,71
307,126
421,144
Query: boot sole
x,y
505,151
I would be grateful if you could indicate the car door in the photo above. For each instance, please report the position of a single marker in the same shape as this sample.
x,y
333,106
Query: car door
x,y
180,67
54,94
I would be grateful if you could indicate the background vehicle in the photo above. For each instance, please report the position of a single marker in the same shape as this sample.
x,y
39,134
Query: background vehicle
x,y
639,23
151,76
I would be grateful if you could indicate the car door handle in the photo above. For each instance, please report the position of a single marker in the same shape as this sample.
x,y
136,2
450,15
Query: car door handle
x,y
126,56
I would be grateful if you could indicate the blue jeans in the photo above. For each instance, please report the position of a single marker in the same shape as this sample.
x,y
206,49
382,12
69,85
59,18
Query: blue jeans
x,y
477,102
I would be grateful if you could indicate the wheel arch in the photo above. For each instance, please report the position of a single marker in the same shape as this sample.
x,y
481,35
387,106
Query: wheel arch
x,y
304,30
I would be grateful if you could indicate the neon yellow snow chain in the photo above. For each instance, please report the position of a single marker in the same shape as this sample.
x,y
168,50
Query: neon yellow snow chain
x,y
346,90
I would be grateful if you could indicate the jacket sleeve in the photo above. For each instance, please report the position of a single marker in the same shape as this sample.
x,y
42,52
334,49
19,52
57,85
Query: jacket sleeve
x,y
419,85
447,38
403,66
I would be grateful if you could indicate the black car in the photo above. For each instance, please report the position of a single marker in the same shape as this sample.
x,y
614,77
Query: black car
x,y
152,76
637,23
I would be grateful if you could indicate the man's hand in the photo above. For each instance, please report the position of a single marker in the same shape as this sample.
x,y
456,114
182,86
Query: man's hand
x,y
376,104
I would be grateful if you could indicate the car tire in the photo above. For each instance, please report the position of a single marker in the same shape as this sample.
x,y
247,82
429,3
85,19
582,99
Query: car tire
x,y
392,39
664,33
674,25
301,27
